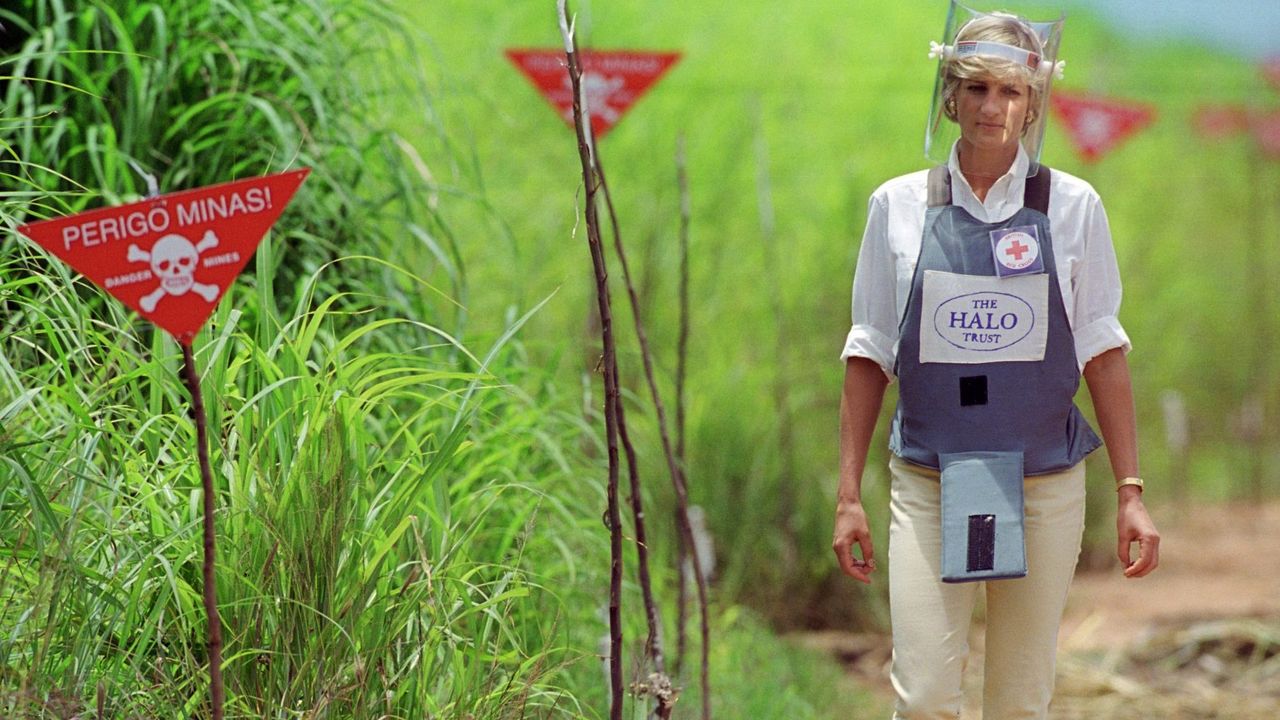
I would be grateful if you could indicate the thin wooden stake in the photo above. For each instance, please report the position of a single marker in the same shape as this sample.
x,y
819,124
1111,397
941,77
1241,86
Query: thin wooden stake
x,y
590,182
682,354
1256,406
653,643
192,379
677,473
653,647
682,345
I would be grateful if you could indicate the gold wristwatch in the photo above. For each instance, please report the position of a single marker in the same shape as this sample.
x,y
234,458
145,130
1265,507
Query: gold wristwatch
x,y
1129,481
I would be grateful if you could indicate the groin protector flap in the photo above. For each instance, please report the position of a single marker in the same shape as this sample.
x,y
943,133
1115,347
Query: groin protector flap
x,y
982,516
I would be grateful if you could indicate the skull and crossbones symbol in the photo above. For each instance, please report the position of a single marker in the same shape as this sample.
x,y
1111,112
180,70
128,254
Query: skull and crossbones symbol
x,y
173,260
598,89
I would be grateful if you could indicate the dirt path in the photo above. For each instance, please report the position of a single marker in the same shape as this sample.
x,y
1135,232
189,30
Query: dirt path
x,y
1218,562
1197,639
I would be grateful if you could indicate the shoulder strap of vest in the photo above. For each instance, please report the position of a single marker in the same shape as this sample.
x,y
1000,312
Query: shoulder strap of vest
x,y
939,186
1036,193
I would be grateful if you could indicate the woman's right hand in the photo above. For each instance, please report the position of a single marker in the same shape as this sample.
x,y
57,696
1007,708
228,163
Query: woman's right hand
x,y
851,529
864,384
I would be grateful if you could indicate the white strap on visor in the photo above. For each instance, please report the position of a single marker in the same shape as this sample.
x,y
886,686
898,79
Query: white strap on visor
x,y
986,48
971,48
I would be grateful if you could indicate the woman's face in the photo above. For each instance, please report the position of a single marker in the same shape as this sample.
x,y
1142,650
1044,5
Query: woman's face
x,y
991,112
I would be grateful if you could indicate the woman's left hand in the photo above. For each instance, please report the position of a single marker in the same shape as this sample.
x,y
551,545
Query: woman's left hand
x,y
1133,524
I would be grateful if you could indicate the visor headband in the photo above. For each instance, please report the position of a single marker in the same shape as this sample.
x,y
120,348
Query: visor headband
x,y
986,48
972,48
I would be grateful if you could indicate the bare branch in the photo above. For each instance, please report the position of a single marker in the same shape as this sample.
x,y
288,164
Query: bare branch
x,y
590,182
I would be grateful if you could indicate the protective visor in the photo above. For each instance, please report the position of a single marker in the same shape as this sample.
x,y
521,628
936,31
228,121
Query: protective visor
x,y
973,40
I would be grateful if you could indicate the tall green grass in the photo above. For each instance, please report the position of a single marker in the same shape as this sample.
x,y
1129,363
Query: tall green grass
x,y
380,481
374,536
408,508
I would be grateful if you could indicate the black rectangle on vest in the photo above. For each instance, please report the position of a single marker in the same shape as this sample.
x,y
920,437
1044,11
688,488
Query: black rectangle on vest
x,y
973,390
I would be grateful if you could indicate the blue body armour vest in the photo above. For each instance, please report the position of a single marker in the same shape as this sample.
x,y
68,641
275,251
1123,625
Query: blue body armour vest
x,y
1025,406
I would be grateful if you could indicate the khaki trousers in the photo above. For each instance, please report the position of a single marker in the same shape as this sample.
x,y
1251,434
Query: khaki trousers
x,y
931,618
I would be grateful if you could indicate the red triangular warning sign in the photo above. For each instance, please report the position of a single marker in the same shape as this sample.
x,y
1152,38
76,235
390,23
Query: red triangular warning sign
x,y
1096,124
1220,121
612,81
172,257
1270,69
1265,127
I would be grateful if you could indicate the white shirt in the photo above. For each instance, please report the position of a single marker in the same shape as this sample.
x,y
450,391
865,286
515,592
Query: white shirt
x,y
1086,261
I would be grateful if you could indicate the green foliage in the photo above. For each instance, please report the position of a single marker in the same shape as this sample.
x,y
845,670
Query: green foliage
x,y
373,539
783,680
381,487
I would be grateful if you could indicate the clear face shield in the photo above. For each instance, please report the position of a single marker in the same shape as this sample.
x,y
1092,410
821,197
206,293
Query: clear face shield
x,y
1008,47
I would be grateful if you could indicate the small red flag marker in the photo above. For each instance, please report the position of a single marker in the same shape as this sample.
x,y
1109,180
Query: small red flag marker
x,y
1096,124
612,81
171,258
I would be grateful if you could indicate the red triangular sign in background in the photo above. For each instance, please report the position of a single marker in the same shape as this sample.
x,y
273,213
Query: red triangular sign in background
x,y
1270,69
1097,124
1220,121
171,258
1266,130
612,81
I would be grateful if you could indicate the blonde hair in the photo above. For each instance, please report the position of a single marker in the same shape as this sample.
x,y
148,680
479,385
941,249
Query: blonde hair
x,y
1003,28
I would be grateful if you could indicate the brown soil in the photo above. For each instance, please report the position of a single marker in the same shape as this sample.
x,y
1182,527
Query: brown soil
x,y
1218,561
1197,639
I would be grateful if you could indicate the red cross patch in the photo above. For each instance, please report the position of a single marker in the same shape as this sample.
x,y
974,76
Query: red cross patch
x,y
1016,251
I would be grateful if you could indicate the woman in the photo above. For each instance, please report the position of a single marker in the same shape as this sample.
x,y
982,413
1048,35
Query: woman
x,y
985,287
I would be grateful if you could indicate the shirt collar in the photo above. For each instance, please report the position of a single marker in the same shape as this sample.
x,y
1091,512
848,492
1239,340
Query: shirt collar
x,y
1005,196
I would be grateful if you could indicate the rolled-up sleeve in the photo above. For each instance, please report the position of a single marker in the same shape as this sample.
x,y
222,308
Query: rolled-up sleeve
x,y
1096,324
874,334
